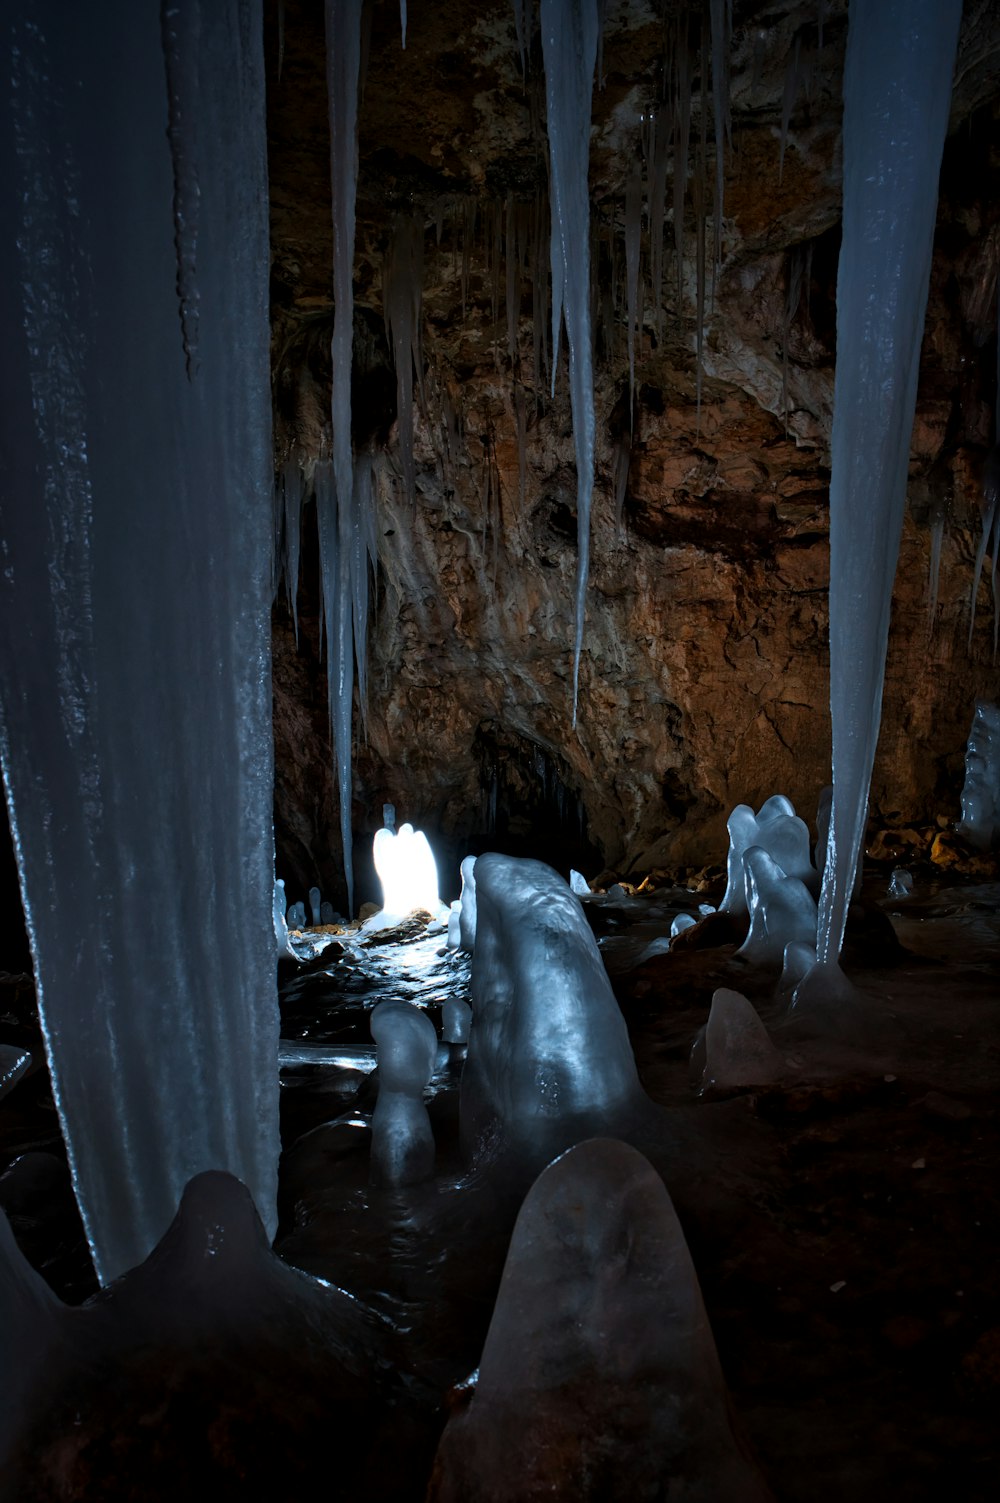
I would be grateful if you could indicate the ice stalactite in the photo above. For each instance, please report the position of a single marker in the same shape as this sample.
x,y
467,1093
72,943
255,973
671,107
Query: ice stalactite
x,y
340,573
402,294
721,24
938,521
180,31
633,225
569,44
989,540
402,21
134,612
291,487
897,92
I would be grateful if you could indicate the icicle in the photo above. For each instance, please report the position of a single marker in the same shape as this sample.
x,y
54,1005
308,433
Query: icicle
x,y
343,64
793,297
682,146
402,21
989,540
522,27
657,163
721,16
633,212
291,496
897,92
402,294
700,199
623,460
135,704
513,285
569,43
180,27
934,569
521,423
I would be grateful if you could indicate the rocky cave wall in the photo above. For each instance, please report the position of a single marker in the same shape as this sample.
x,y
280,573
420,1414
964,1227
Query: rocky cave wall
x,y
704,670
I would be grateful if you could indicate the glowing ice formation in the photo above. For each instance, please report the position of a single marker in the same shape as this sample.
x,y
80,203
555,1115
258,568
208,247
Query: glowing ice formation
x,y
549,1054
402,1140
315,907
599,1372
980,822
738,1051
407,870
897,93
135,693
569,45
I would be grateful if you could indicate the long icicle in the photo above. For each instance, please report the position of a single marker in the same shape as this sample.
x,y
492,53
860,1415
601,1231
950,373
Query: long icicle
x,y
897,93
569,45
343,64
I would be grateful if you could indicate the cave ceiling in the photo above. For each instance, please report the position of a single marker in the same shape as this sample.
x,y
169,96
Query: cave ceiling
x,y
704,668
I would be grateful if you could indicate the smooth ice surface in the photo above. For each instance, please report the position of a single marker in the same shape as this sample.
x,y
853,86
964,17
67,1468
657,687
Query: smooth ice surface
x,y
136,535
775,828
681,922
569,45
467,922
456,1020
782,910
599,1378
337,522
980,822
14,1062
549,1054
402,1140
897,93
738,1051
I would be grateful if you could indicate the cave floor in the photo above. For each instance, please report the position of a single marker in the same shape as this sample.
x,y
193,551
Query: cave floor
x,y
844,1222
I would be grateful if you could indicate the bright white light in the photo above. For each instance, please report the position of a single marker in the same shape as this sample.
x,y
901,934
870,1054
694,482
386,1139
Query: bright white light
x,y
407,870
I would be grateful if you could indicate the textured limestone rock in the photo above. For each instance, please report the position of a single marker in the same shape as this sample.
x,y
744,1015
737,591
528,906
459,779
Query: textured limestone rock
x,y
704,671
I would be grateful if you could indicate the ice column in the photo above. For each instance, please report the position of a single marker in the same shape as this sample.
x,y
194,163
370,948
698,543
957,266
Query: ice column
x,y
136,540
569,44
344,565
897,90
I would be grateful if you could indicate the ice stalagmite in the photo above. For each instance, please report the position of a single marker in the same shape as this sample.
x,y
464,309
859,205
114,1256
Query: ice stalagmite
x,y
136,534
897,90
340,560
569,44
599,1380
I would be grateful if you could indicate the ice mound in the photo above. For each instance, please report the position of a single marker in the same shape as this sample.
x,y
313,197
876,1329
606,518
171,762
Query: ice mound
x,y
402,1139
738,1050
456,1020
549,1057
900,883
579,884
212,1337
599,1377
776,829
782,910
980,822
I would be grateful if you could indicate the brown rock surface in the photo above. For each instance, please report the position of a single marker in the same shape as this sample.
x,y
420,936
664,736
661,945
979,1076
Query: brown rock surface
x,y
704,672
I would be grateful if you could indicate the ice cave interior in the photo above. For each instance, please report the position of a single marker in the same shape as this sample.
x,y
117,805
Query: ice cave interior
x,y
557,442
